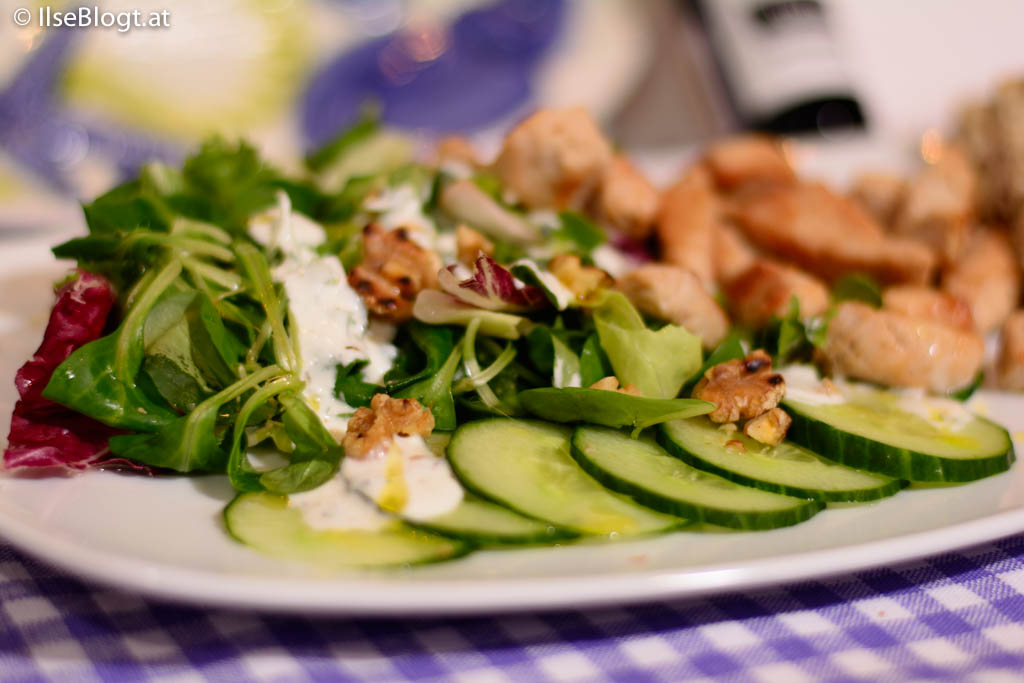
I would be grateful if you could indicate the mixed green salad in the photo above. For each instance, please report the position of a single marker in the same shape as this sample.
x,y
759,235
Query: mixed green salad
x,y
397,362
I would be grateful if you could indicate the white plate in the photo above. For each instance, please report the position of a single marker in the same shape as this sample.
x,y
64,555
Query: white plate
x,y
163,537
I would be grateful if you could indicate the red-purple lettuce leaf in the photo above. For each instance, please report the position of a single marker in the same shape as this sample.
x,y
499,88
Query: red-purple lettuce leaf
x,y
492,287
45,434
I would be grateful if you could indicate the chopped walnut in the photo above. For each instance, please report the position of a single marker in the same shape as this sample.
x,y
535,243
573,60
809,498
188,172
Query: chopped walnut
x,y
769,428
393,271
611,383
741,389
735,445
469,243
371,429
582,280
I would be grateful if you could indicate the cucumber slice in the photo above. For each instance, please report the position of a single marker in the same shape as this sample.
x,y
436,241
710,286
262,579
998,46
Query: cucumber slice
x,y
786,468
527,466
264,522
643,470
873,430
484,522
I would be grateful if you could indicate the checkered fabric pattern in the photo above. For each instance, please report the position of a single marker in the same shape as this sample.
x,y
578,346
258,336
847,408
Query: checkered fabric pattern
x,y
956,617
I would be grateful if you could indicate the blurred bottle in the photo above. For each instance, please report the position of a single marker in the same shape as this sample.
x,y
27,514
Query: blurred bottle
x,y
780,65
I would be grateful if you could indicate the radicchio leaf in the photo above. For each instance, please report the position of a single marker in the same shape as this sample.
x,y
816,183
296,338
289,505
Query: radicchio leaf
x,y
492,287
45,434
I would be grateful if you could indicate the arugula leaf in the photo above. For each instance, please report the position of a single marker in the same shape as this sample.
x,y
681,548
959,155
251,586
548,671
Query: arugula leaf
x,y
99,379
594,363
315,456
242,475
127,206
295,477
609,408
435,392
361,130
189,443
184,326
181,390
434,343
580,233
227,183
255,265
349,384
791,339
550,354
656,362
857,287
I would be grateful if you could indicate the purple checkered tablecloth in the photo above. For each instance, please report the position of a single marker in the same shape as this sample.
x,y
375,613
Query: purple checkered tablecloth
x,y
957,616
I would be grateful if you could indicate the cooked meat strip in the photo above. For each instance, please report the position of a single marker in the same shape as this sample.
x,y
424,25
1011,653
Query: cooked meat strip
x,y
554,158
880,194
938,207
731,253
748,158
1010,365
899,351
987,277
687,221
926,303
766,288
675,295
828,235
626,199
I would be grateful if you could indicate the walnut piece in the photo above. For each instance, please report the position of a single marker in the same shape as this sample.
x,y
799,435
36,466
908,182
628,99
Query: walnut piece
x,y
741,389
611,383
393,271
582,280
373,428
769,428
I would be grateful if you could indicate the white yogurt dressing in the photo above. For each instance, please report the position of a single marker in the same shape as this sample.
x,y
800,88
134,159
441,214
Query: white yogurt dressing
x,y
331,326
402,207
804,386
328,319
406,478
336,505
943,413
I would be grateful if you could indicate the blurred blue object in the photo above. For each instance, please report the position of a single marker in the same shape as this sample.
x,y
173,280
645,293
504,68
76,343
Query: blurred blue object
x,y
436,78
42,135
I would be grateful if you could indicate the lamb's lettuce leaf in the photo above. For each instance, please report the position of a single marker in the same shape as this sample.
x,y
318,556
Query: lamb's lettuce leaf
x,y
657,362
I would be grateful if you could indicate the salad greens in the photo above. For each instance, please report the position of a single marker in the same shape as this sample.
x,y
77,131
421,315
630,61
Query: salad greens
x,y
205,363
224,309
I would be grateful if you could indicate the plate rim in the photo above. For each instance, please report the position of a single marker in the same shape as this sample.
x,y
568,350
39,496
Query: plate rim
x,y
358,596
